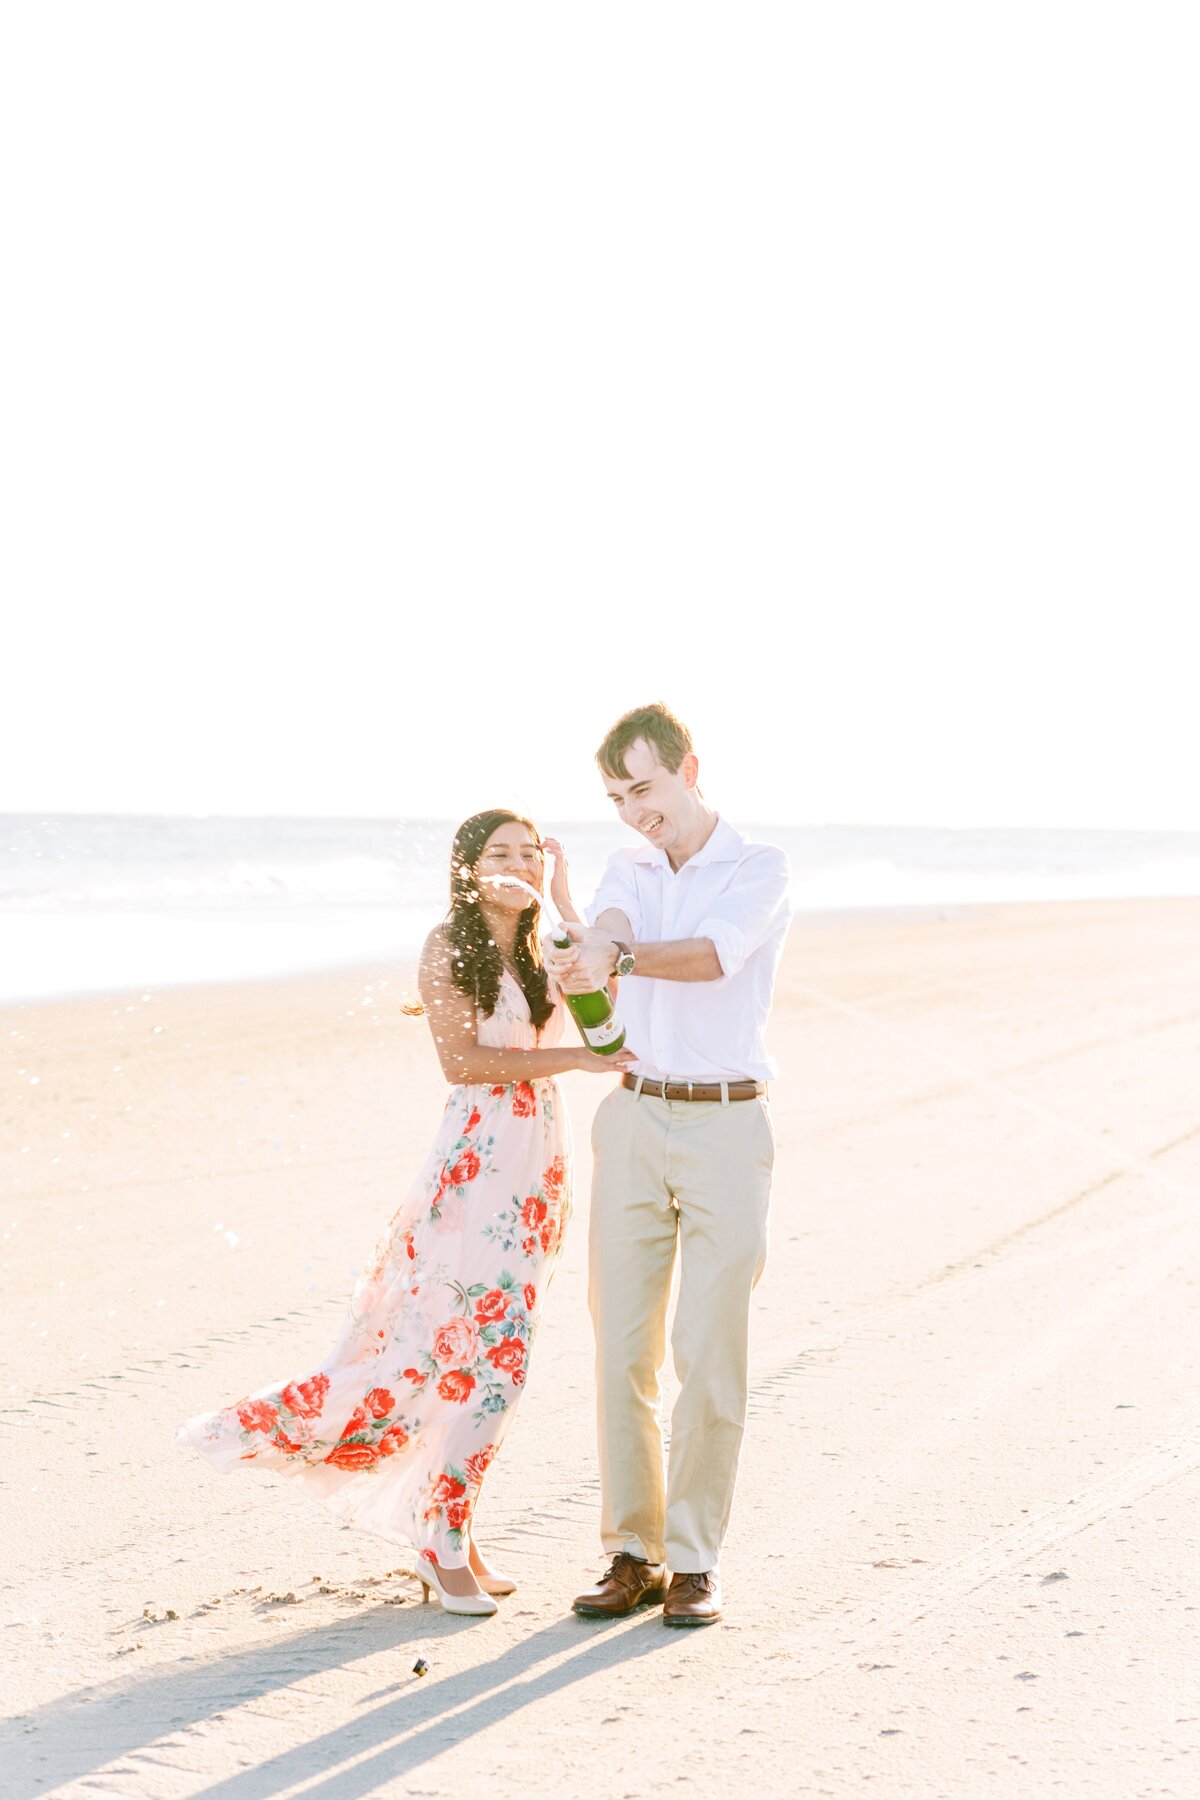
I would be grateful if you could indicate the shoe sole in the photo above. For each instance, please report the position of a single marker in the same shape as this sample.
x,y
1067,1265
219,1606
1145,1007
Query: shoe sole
x,y
683,1624
600,1612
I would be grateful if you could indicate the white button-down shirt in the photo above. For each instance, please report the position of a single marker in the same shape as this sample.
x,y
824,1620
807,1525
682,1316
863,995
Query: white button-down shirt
x,y
734,893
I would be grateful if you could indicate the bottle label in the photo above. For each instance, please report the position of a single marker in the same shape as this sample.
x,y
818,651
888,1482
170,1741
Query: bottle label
x,y
599,1035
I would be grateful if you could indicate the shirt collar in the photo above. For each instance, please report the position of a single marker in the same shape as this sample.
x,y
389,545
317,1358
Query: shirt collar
x,y
724,845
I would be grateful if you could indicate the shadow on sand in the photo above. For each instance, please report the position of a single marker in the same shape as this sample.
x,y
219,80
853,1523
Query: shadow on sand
x,y
411,1721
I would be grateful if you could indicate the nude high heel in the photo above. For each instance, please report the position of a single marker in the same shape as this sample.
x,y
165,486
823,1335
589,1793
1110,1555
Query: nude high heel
x,y
491,1582
474,1605
497,1584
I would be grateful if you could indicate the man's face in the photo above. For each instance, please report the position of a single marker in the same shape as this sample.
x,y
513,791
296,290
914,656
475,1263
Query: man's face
x,y
652,799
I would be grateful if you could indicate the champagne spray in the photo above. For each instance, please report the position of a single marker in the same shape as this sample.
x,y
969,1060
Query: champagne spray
x,y
602,1030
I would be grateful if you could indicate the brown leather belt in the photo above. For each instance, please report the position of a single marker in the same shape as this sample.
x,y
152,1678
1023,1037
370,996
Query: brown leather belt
x,y
693,1090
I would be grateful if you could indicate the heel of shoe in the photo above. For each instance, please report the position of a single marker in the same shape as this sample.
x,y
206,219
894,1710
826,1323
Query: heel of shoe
x,y
424,1591
470,1605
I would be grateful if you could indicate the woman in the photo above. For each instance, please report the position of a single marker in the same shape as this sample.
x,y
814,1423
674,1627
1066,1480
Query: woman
x,y
395,1431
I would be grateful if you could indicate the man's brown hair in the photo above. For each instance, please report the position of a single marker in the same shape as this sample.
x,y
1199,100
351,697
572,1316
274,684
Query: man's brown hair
x,y
658,725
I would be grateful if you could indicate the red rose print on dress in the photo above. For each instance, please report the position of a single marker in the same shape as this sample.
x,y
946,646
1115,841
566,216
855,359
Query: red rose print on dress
x,y
497,1091
358,1418
507,1355
305,1398
257,1415
529,1245
457,1342
530,1296
533,1211
552,1180
393,1439
457,1514
446,1488
477,1466
379,1403
473,1121
549,1234
456,1385
524,1103
352,1456
490,1307
465,1169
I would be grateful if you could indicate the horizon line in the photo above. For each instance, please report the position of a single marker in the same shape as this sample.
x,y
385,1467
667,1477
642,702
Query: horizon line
x,y
402,819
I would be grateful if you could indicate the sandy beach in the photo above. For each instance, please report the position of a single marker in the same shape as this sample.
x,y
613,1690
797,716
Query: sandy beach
x,y
964,1555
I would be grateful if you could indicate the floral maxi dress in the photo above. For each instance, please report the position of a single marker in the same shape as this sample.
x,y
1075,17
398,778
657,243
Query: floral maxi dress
x,y
396,1428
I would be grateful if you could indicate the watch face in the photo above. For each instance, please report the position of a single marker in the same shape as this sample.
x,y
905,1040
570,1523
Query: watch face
x,y
625,964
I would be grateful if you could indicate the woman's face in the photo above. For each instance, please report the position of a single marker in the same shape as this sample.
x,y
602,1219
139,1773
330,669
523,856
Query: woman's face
x,y
512,850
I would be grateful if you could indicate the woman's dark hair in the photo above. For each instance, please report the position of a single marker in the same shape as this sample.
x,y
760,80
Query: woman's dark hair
x,y
476,963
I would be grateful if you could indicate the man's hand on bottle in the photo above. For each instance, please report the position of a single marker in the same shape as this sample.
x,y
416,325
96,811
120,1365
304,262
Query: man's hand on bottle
x,y
587,967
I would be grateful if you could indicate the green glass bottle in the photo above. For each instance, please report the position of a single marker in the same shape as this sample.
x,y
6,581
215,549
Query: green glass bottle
x,y
602,1031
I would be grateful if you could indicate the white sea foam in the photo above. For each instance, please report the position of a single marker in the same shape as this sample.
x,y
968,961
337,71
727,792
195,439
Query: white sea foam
x,y
90,904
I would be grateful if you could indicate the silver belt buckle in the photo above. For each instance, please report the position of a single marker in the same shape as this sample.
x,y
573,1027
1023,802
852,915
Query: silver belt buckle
x,y
689,1087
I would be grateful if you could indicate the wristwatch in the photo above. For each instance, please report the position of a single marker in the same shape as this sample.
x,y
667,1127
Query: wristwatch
x,y
624,964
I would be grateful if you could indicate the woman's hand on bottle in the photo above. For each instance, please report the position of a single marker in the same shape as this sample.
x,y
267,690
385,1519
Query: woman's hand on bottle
x,y
604,1065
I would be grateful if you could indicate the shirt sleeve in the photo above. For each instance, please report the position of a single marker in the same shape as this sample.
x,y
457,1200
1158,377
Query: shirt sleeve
x,y
618,888
754,905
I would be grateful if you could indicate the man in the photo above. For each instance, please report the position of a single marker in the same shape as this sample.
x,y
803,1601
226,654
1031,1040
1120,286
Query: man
x,y
693,922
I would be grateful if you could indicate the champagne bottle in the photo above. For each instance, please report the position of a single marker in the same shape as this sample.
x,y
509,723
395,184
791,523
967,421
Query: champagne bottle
x,y
603,1032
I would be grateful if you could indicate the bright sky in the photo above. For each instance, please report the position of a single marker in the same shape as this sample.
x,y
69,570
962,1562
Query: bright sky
x,y
391,396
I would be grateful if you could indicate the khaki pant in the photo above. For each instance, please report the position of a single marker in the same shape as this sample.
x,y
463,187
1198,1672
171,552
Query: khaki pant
x,y
696,1174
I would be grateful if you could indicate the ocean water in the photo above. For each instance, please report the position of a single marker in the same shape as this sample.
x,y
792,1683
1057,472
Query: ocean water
x,y
103,903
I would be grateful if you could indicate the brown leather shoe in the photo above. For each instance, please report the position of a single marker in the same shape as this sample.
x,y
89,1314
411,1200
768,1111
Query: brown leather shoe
x,y
626,1584
693,1600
